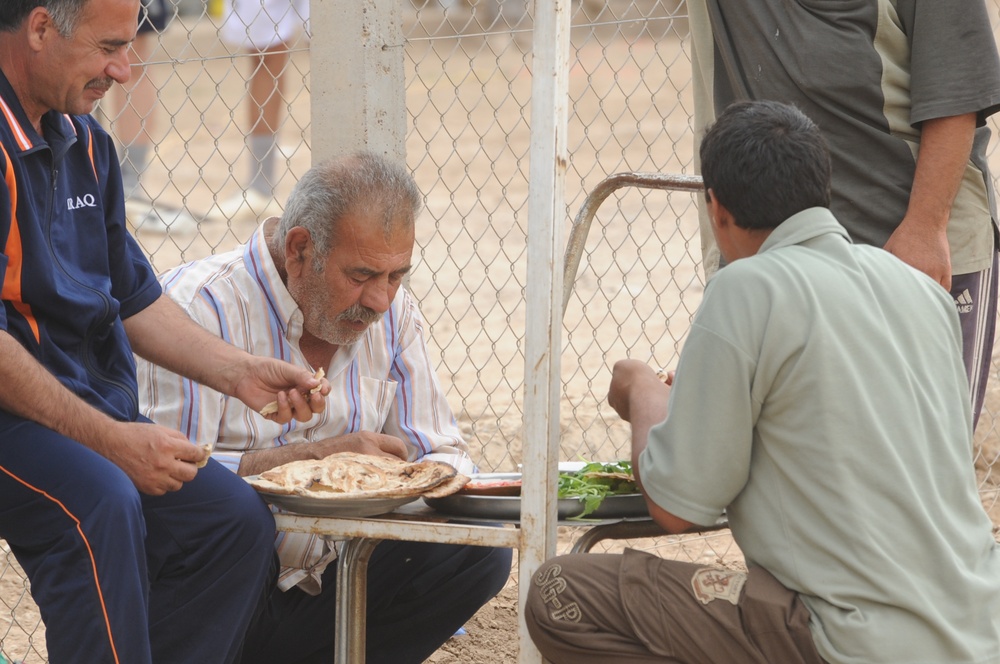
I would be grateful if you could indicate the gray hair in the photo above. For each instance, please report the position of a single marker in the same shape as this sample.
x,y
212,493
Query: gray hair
x,y
65,13
330,191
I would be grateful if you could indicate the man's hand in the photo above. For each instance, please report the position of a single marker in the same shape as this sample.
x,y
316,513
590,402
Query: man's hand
x,y
924,247
293,388
633,381
639,395
157,459
164,334
362,442
921,239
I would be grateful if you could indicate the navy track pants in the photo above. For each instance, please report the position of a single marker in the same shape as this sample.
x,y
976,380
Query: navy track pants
x,y
122,577
419,595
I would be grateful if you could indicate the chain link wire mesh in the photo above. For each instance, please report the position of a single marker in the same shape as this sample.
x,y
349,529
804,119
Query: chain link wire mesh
x,y
468,84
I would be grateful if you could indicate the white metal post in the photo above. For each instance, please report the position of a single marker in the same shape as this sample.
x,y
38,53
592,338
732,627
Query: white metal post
x,y
543,336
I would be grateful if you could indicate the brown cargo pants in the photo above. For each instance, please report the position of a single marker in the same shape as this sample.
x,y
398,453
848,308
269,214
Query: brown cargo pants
x,y
636,607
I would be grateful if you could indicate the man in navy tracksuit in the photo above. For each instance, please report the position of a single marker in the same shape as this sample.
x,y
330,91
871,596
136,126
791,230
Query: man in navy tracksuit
x,y
134,554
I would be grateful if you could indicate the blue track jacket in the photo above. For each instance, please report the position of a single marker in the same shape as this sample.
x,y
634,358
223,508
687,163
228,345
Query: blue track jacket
x,y
70,270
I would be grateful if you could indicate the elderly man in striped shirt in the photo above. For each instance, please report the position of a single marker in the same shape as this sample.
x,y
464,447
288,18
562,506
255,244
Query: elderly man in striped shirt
x,y
321,287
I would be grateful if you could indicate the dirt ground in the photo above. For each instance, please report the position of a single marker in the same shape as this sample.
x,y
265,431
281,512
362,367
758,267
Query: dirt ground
x,y
201,150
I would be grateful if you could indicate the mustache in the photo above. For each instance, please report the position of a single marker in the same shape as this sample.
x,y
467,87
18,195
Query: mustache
x,y
103,83
360,313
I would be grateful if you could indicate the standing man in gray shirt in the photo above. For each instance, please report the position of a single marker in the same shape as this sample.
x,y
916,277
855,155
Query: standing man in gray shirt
x,y
901,90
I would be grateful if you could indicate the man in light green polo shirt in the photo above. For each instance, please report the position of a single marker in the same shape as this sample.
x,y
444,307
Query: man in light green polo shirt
x,y
799,408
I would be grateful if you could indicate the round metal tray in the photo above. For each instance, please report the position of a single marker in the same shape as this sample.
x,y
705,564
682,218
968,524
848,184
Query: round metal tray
x,y
509,507
343,507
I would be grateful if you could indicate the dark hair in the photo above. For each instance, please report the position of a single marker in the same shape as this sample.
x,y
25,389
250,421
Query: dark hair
x,y
337,187
64,13
765,161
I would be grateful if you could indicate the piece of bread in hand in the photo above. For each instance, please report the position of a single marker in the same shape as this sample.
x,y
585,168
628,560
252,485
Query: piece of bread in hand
x,y
272,408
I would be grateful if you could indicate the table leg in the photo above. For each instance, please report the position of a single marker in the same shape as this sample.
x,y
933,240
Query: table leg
x,y
352,593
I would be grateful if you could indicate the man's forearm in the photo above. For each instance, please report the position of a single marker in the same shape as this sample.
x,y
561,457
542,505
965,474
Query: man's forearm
x,y
33,393
945,146
360,442
646,412
644,420
164,334
256,462
921,239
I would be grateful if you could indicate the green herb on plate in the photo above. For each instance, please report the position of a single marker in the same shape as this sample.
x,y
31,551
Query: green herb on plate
x,y
595,481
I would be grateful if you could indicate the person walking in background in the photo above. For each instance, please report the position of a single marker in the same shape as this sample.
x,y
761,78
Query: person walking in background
x,y
266,29
133,117
901,89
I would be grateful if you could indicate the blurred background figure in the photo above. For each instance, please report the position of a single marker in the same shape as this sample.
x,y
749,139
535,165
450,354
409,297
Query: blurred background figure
x,y
266,28
133,118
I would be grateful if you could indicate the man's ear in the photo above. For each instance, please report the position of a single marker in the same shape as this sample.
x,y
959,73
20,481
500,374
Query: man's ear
x,y
298,250
40,28
716,211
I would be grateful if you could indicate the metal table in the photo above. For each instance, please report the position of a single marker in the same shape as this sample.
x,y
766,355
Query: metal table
x,y
413,522
418,523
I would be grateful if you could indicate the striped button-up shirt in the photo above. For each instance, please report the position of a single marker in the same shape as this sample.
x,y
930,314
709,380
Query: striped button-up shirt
x,y
384,382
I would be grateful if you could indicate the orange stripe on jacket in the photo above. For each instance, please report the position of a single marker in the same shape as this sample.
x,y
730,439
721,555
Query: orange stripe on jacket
x,y
90,153
22,139
90,552
15,255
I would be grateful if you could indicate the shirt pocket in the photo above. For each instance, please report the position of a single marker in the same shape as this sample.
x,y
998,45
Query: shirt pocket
x,y
377,397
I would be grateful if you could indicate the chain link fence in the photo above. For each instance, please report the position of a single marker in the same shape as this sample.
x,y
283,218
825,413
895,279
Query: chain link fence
x,y
197,147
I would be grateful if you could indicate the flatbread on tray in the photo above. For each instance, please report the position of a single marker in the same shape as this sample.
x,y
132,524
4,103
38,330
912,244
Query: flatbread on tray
x,y
626,477
352,476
